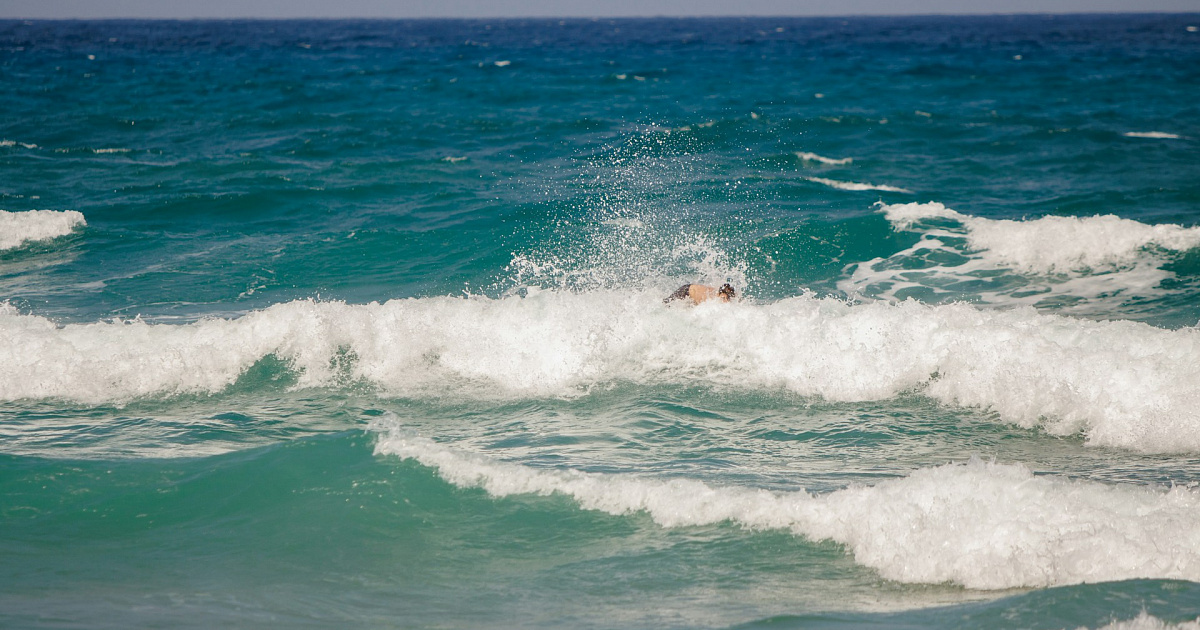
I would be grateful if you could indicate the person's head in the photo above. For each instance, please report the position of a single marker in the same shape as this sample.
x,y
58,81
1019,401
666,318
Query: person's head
x,y
726,292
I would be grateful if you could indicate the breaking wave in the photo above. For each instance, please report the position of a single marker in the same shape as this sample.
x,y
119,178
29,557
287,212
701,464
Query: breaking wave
x,y
1123,384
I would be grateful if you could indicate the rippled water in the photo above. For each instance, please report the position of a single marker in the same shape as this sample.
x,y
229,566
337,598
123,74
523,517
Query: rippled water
x,y
361,323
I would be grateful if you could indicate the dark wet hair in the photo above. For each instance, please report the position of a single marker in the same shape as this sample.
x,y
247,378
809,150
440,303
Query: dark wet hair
x,y
727,290
679,294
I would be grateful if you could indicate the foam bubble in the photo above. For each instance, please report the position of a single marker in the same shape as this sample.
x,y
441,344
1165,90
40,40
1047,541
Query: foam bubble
x,y
18,228
1122,384
1152,134
981,525
813,157
1091,260
840,185
1146,621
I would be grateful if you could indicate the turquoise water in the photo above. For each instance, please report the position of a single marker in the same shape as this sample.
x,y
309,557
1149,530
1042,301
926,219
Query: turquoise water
x,y
328,324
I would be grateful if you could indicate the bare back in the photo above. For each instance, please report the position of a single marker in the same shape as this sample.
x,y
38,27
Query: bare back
x,y
696,293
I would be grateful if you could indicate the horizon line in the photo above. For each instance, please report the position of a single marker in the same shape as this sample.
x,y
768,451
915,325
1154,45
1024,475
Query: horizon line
x,y
600,17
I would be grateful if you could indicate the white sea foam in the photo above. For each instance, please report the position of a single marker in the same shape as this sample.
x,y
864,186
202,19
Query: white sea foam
x,y
981,525
18,228
1123,384
840,185
1091,261
1146,621
1152,134
813,157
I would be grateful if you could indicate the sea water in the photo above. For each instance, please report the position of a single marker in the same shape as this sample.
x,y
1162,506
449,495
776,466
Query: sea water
x,y
361,324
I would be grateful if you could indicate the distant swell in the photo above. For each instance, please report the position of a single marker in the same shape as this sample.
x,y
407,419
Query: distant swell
x,y
18,228
1121,383
1162,135
981,525
12,143
833,183
813,157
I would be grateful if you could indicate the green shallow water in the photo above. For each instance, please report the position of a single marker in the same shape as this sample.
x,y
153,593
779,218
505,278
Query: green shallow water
x,y
319,531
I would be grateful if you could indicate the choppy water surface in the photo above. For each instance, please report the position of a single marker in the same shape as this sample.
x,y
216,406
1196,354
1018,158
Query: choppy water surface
x,y
361,323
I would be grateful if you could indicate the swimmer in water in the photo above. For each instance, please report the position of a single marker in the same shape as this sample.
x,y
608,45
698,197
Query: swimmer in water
x,y
698,293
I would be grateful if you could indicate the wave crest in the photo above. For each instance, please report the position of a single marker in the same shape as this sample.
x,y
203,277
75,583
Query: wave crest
x,y
1075,264
1052,243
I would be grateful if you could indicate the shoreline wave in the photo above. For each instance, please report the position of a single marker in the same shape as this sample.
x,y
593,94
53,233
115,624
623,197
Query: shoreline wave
x,y
981,525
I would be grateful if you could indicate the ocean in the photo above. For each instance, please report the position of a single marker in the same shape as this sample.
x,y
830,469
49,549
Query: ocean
x,y
328,324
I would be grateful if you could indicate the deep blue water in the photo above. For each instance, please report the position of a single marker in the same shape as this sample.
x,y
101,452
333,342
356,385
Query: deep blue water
x,y
330,323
